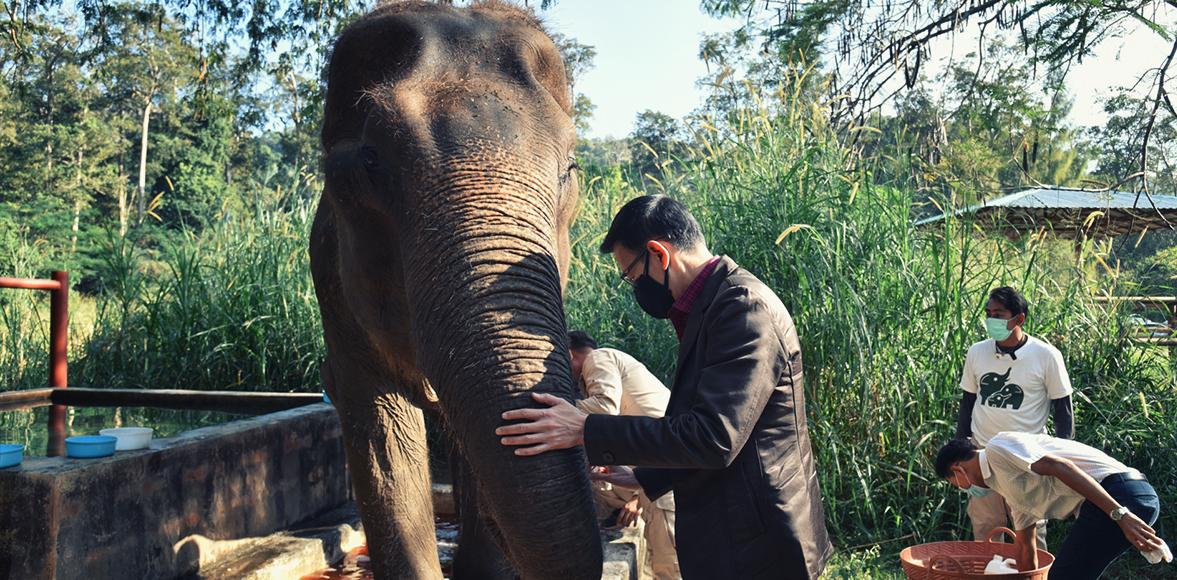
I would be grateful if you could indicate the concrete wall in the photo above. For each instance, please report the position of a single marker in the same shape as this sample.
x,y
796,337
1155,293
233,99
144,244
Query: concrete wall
x,y
153,513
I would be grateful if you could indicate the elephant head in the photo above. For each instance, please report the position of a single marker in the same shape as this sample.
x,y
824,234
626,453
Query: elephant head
x,y
439,252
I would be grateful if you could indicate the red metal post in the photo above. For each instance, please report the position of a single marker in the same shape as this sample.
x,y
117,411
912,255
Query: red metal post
x,y
58,359
58,289
59,331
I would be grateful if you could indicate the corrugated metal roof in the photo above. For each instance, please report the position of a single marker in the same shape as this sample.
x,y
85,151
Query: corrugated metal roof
x,y
1078,198
1071,212
1067,198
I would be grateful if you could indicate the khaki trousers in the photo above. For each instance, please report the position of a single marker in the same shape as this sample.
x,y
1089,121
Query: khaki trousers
x,y
661,557
991,512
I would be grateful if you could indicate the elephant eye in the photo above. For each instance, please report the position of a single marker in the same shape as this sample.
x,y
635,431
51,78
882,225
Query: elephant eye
x,y
369,157
567,174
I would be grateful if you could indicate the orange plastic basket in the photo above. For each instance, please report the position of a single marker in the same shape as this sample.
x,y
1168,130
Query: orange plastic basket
x,y
957,560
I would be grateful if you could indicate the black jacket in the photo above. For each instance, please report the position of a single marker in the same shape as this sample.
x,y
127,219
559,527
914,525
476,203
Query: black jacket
x,y
734,444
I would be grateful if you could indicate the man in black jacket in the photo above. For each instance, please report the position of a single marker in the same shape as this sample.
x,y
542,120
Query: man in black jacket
x,y
734,444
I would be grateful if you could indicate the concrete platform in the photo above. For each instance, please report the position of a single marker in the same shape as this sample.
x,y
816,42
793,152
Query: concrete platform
x,y
322,542
167,511
262,498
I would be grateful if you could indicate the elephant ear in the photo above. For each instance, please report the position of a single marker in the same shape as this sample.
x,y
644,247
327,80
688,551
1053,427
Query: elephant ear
x,y
373,52
550,73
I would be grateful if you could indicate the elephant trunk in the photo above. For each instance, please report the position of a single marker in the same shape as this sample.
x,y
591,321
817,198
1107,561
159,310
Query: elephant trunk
x,y
485,294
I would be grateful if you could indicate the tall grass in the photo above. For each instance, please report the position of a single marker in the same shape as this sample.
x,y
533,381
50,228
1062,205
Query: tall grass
x,y
24,317
231,307
885,315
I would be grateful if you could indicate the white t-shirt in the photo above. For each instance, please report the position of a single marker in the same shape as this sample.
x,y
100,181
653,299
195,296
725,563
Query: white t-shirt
x,y
1005,466
1013,394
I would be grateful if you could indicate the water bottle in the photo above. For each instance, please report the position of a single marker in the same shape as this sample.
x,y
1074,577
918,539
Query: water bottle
x,y
999,565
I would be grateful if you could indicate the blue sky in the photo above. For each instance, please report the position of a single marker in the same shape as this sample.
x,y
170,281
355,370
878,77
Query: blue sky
x,y
646,59
645,56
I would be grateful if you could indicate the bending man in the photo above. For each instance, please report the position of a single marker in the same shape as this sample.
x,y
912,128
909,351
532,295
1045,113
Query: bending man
x,y
614,383
1043,477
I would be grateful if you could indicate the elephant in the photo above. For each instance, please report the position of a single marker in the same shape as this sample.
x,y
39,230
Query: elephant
x,y
439,253
1008,396
992,382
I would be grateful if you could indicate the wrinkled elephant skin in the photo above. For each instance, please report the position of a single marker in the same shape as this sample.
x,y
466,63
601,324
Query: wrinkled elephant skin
x,y
439,253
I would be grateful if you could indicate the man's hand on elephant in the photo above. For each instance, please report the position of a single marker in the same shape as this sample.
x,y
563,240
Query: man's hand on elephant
x,y
618,475
559,427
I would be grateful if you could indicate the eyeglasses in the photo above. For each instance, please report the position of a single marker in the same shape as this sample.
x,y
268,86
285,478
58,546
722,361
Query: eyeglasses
x,y
625,273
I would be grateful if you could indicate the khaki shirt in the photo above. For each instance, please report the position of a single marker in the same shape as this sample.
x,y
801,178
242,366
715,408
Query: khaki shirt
x,y
614,383
1005,466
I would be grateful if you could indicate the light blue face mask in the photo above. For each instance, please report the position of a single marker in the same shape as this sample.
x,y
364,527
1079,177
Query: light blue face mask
x,y
996,329
973,490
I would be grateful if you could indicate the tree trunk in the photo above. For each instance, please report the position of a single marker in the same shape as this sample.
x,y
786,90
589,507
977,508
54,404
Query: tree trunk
x,y
122,194
73,243
50,109
143,164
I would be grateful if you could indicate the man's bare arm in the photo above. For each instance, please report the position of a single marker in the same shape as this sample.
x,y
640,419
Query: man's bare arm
x,y
1138,533
1026,548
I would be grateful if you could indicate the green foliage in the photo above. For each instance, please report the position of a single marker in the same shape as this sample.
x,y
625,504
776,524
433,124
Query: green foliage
x,y
654,145
602,152
578,60
24,318
872,44
987,134
230,308
1120,150
869,564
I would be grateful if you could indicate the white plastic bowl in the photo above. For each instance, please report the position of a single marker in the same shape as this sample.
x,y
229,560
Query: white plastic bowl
x,y
130,438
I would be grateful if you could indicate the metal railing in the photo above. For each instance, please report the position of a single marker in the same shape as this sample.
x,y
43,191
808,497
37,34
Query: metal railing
x,y
58,287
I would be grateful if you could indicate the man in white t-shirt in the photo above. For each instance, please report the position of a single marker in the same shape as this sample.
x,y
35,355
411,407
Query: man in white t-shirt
x,y
1044,477
614,383
1011,382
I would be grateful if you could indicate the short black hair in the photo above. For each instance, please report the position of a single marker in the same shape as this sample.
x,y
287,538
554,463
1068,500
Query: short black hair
x,y
952,453
579,339
653,217
1011,299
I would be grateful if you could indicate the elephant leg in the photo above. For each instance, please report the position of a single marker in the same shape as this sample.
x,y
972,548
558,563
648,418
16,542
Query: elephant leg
x,y
478,556
389,463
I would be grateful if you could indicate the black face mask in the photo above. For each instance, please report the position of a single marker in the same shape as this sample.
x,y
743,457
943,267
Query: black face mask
x,y
653,297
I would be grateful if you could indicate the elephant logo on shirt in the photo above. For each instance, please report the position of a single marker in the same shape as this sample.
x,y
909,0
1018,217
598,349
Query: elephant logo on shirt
x,y
997,391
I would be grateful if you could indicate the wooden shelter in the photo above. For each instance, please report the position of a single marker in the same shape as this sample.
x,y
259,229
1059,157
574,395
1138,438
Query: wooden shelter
x,y
1077,214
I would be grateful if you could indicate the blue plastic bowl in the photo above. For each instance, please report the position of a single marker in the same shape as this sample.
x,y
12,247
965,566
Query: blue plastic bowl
x,y
11,455
90,446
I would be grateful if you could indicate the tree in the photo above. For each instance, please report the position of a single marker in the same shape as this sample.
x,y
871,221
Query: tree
x,y
654,143
874,43
145,72
1118,146
987,132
